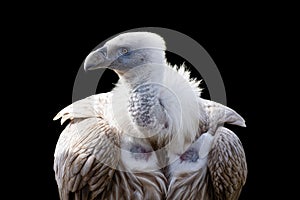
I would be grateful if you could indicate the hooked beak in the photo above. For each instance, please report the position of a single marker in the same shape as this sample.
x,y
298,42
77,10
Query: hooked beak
x,y
97,59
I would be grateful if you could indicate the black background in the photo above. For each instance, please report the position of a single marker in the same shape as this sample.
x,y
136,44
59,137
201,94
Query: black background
x,y
48,53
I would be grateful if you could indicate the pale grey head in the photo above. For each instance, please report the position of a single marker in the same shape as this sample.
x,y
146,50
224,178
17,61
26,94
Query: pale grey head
x,y
127,51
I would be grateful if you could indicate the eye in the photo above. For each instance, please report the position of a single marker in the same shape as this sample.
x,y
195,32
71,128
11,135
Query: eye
x,y
124,50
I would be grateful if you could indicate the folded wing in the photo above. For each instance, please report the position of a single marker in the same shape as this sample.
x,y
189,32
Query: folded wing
x,y
87,151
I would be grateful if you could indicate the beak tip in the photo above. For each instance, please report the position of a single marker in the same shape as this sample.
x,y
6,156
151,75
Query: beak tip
x,y
96,59
89,64
86,67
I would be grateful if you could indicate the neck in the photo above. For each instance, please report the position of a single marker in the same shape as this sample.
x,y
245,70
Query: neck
x,y
146,114
146,73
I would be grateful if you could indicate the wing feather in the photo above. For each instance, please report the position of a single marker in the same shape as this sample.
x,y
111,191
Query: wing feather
x,y
227,165
87,151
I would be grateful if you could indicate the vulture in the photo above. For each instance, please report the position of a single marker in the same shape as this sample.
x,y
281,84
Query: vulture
x,y
152,136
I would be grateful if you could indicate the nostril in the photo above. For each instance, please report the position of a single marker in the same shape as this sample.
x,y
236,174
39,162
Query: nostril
x,y
103,51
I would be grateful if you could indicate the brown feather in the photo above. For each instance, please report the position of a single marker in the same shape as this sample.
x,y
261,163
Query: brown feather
x,y
227,165
82,168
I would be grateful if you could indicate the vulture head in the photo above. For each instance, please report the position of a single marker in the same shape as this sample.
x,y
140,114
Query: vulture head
x,y
127,51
